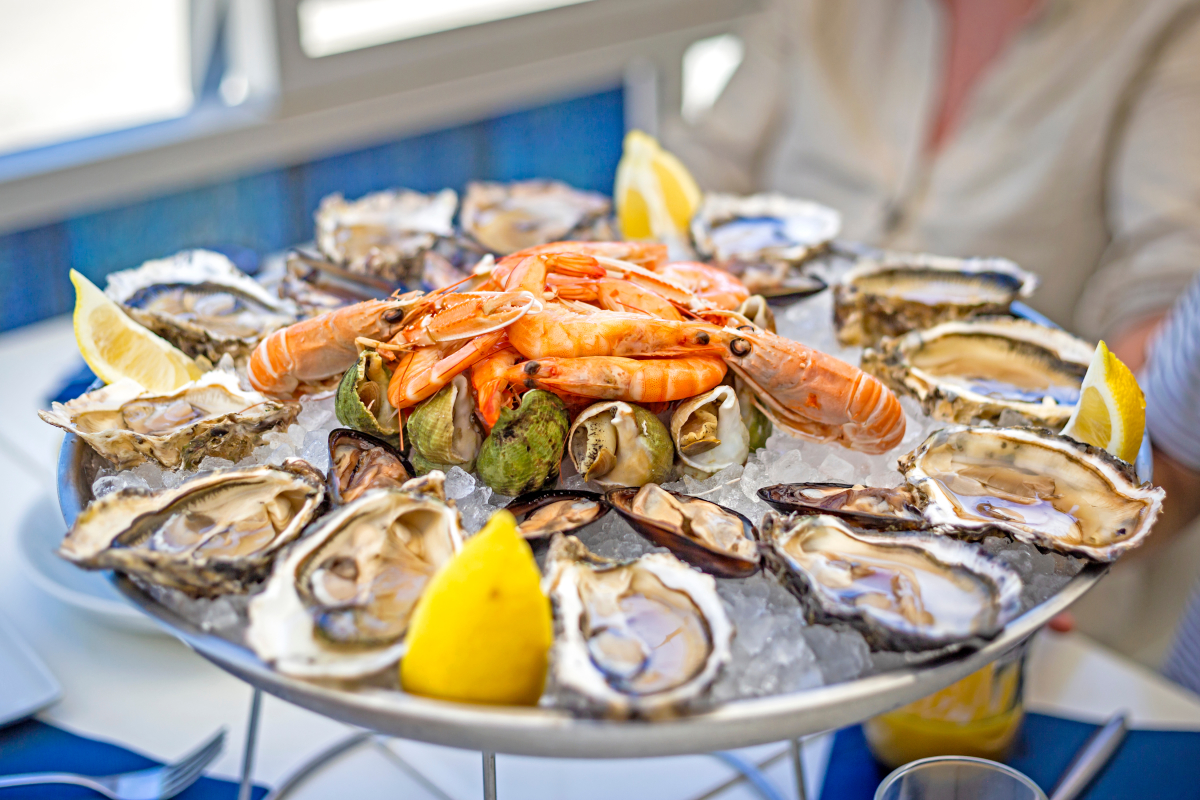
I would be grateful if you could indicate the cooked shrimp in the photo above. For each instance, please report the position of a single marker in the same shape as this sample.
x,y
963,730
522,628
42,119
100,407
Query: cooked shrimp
x,y
491,384
710,283
565,330
649,380
425,370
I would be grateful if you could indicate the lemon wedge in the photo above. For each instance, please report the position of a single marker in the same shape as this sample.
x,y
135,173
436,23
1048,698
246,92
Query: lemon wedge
x,y
116,347
1111,413
481,632
655,194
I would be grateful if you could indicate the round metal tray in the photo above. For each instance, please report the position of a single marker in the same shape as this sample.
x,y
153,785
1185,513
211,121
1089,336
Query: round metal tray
x,y
557,734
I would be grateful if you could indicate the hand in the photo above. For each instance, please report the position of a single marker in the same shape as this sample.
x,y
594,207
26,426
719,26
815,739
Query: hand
x,y
1063,623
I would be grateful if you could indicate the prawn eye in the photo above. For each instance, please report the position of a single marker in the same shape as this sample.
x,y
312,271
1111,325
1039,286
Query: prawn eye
x,y
395,315
532,368
702,338
740,347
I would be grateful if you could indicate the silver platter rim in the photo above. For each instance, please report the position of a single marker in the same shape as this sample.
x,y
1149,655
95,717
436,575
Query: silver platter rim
x,y
558,734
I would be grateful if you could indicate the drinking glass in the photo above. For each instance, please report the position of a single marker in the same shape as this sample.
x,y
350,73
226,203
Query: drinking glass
x,y
957,778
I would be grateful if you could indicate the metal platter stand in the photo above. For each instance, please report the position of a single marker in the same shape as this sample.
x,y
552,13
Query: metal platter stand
x,y
558,734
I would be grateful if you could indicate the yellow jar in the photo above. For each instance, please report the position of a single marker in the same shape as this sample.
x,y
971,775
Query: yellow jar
x,y
977,716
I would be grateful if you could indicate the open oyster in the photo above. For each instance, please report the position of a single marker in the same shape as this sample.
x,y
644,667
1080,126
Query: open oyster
x,y
861,506
215,534
360,462
975,370
902,591
338,603
640,638
710,433
385,234
710,537
210,416
620,444
200,302
542,514
1039,487
763,238
900,292
507,217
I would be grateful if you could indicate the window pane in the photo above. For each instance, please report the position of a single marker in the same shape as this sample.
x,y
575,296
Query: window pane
x,y
337,26
708,64
74,68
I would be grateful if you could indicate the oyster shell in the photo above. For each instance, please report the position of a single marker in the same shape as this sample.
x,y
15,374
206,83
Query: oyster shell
x,y
710,537
385,234
902,591
975,370
524,451
360,462
709,432
861,506
620,444
215,534
900,292
362,402
210,416
640,638
1037,486
442,429
542,514
338,603
200,302
763,238
507,217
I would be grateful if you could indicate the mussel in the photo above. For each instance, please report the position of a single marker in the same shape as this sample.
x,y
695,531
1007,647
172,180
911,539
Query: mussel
x,y
710,537
360,462
863,506
542,514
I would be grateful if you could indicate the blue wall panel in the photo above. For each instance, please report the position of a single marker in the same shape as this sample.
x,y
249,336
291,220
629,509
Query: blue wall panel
x,y
576,140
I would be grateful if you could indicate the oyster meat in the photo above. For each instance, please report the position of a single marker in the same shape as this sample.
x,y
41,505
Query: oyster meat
x,y
710,537
641,638
710,432
507,217
862,506
360,462
542,514
1037,486
620,444
900,292
200,302
338,603
974,370
210,416
763,238
215,534
385,234
902,591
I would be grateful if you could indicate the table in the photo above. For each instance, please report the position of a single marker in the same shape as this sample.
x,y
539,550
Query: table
x,y
153,695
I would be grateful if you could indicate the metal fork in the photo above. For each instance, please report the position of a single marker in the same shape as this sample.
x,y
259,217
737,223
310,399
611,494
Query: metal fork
x,y
157,783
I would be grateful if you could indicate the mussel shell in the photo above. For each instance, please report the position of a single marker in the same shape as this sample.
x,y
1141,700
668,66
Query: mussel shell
x,y
831,498
399,472
699,555
526,505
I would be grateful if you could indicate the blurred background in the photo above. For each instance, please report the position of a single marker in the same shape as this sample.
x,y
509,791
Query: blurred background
x,y
130,129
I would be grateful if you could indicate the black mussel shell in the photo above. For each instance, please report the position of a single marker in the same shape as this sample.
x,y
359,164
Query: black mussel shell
x,y
794,287
833,498
527,505
377,465
699,555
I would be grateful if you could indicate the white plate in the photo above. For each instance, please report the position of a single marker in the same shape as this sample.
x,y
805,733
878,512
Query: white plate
x,y
28,685
38,535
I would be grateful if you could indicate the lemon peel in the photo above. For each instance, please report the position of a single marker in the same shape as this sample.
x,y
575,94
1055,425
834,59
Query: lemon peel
x,y
1111,413
655,194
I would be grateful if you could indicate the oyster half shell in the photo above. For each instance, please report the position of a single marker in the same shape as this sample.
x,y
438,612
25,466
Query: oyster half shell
x,y
215,534
862,506
900,292
338,603
1037,486
902,591
210,416
641,638
507,217
974,370
200,302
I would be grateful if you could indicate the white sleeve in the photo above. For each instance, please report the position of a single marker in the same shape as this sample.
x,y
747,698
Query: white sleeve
x,y
1171,382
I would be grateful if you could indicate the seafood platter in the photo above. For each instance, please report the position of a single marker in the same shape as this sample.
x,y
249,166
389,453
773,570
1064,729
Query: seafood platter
x,y
752,519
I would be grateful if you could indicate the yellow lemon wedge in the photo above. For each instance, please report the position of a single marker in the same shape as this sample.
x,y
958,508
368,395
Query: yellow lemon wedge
x,y
482,630
116,347
655,194
1111,413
